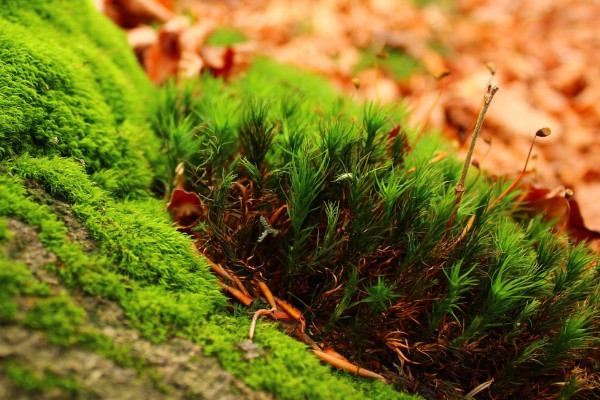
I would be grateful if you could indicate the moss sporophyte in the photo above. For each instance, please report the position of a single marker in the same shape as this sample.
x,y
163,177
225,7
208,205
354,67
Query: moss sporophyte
x,y
331,205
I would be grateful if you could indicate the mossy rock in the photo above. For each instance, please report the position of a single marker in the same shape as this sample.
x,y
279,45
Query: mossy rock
x,y
76,157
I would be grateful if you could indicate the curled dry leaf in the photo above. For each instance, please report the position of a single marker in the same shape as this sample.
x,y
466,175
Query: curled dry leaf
x,y
186,207
561,206
161,61
578,227
190,64
130,13
180,51
222,61
191,40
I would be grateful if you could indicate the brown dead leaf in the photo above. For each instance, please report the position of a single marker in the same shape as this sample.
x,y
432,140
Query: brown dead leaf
x,y
130,13
588,194
161,60
559,205
186,207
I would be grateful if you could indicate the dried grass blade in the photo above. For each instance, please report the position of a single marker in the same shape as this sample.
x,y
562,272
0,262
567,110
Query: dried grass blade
x,y
241,297
347,366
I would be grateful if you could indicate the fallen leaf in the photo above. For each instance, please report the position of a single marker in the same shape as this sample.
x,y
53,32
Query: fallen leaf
x,y
161,60
130,13
186,207
561,206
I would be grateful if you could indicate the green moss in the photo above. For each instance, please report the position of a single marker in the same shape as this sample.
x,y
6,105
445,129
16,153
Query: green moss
x,y
13,278
33,382
4,232
174,301
157,307
287,368
89,99
84,101
38,289
58,317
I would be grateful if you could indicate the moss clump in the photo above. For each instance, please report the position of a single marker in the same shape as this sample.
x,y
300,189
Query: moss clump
x,y
353,220
364,237
57,317
34,383
160,307
13,278
72,88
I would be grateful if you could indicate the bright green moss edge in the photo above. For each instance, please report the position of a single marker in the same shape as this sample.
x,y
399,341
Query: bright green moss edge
x,y
71,88
73,118
33,383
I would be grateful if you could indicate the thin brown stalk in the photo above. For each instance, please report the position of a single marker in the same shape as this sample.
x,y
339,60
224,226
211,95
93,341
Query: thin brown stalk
x,y
434,104
460,188
268,295
487,99
239,295
540,133
257,314
347,366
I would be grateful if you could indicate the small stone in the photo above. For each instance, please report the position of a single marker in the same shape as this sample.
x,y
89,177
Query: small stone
x,y
251,349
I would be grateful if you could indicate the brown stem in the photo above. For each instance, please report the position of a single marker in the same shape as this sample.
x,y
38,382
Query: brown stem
x,y
540,133
460,188
487,99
